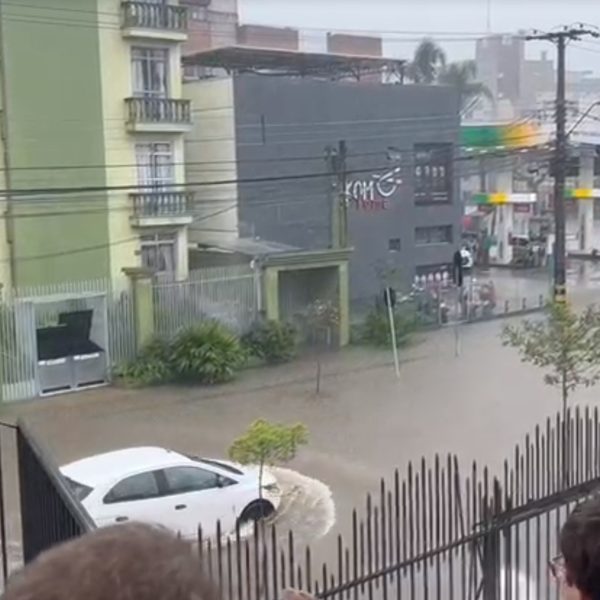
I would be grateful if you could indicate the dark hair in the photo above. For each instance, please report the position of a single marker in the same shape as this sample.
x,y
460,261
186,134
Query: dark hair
x,y
137,562
580,547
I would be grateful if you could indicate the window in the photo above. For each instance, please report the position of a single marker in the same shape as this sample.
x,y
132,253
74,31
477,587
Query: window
x,y
433,173
150,72
80,491
394,245
181,480
155,165
137,487
426,236
158,252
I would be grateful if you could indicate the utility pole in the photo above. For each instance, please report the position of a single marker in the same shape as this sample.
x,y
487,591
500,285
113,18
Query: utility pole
x,y
336,159
560,38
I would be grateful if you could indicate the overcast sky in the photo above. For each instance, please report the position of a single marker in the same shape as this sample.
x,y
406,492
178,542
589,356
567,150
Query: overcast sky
x,y
402,19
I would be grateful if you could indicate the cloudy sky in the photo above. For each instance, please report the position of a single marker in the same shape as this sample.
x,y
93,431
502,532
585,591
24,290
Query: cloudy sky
x,y
403,21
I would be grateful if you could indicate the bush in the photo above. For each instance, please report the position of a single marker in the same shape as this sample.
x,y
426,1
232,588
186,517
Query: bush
x,y
376,328
271,341
208,353
151,367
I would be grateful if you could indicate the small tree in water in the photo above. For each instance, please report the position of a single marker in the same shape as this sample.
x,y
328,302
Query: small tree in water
x,y
266,443
566,345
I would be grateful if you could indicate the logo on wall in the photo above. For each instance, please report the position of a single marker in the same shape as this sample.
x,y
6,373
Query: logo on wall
x,y
374,193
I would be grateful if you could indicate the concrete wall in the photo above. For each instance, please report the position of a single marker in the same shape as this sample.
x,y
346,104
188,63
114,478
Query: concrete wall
x,y
290,136
210,151
53,117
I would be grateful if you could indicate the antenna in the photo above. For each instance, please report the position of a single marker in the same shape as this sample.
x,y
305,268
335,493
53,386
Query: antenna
x,y
489,16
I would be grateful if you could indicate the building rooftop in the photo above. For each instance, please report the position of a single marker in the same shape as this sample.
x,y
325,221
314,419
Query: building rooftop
x,y
266,61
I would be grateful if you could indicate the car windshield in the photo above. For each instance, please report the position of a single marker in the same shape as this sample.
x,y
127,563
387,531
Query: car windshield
x,y
79,490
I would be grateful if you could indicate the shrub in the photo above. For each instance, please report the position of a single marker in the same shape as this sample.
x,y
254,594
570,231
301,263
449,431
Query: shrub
x,y
376,328
271,341
208,353
151,367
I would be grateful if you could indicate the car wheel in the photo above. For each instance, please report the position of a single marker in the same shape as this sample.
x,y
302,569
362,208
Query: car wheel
x,y
257,510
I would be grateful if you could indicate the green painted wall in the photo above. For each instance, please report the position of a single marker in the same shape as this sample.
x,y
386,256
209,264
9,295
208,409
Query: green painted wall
x,y
53,100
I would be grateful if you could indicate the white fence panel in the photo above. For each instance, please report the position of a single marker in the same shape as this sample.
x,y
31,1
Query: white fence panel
x,y
225,294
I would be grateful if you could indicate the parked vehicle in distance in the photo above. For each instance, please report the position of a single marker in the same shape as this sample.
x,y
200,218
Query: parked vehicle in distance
x,y
177,491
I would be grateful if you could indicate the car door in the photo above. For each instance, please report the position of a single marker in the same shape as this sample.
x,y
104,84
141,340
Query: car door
x,y
134,498
197,497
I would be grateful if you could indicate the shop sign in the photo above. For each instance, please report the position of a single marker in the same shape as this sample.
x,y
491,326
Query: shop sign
x,y
374,193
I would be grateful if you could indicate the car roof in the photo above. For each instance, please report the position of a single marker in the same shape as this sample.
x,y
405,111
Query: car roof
x,y
110,466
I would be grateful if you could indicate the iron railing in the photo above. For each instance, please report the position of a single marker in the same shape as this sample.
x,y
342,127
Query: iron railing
x,y
162,204
438,533
149,15
50,513
158,110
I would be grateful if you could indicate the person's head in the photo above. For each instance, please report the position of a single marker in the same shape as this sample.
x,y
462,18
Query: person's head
x,y
133,562
579,564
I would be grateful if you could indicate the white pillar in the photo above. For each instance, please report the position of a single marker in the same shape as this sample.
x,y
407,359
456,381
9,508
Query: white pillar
x,y
182,252
585,208
504,218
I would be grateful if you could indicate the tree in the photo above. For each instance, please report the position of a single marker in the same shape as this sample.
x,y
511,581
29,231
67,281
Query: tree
x,y
566,345
322,320
266,443
429,60
462,76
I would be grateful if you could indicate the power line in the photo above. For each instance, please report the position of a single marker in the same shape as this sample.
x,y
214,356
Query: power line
x,y
264,179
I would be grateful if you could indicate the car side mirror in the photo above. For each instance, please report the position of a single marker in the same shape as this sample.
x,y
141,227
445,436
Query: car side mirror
x,y
220,482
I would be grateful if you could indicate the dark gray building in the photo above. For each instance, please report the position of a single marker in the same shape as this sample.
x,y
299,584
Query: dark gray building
x,y
403,206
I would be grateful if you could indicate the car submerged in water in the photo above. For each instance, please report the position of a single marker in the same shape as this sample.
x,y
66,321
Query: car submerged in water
x,y
177,491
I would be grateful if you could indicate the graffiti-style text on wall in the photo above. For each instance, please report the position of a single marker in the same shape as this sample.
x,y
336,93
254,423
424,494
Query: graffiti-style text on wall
x,y
375,192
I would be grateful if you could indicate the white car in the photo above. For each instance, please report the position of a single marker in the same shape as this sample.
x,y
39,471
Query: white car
x,y
162,487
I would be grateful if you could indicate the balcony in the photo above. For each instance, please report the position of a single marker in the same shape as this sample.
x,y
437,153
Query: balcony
x,y
154,21
158,115
152,209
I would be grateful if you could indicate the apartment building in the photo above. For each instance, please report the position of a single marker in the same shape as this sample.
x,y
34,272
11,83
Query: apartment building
x,y
93,157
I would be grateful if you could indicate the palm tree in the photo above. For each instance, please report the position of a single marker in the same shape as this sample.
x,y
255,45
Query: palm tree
x,y
428,62
462,76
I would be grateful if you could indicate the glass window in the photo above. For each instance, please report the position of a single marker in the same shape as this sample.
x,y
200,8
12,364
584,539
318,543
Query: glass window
x,y
136,487
433,173
441,234
394,245
159,252
181,480
150,72
155,165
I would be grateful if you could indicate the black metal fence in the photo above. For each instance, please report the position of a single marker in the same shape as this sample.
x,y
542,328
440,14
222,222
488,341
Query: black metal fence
x,y
435,533
37,509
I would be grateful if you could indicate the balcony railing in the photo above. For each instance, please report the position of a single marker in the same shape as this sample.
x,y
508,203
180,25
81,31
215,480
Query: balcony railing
x,y
159,111
149,15
161,204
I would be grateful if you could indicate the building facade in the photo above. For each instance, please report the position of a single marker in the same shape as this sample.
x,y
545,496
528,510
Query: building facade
x,y
401,196
93,122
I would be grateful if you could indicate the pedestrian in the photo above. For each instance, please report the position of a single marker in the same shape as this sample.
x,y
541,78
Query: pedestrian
x,y
578,567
